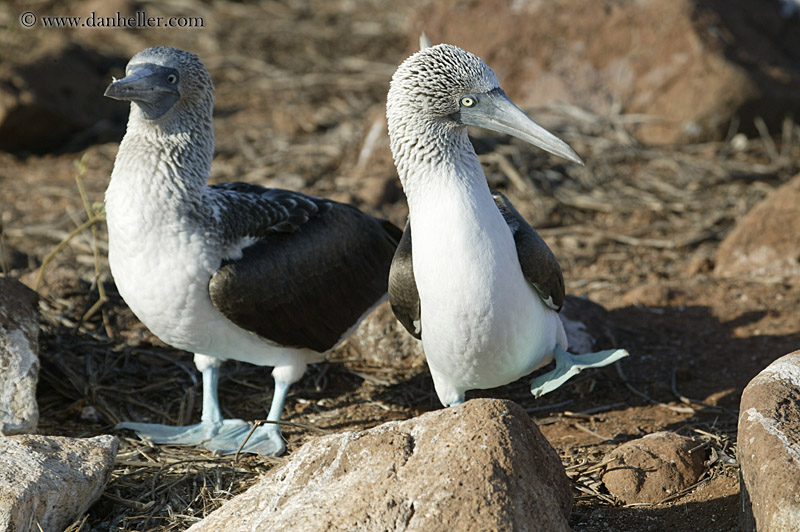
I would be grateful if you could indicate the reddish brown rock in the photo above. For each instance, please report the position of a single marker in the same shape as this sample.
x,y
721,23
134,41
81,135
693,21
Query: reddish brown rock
x,y
769,448
689,66
652,468
483,465
765,242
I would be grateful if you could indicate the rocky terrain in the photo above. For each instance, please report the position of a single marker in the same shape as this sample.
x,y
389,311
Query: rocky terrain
x,y
682,225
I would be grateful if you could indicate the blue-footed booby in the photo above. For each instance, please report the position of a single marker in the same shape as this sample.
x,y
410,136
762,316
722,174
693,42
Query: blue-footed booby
x,y
232,271
478,286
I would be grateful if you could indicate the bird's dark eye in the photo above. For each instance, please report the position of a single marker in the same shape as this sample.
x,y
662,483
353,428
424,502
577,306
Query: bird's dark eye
x,y
172,79
466,101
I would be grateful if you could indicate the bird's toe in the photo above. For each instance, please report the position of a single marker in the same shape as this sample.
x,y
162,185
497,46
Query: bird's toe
x,y
264,440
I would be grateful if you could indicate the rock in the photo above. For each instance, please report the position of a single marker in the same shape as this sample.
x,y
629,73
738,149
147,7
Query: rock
x,y
764,242
652,468
19,357
53,97
483,465
50,481
695,67
769,448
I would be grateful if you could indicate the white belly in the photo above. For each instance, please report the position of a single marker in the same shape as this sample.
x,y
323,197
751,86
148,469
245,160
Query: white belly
x,y
162,272
164,281
483,324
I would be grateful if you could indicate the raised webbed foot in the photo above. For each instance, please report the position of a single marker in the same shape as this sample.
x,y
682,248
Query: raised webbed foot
x,y
568,365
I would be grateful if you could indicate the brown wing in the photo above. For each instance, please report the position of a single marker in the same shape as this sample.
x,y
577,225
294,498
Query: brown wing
x,y
539,264
311,275
403,294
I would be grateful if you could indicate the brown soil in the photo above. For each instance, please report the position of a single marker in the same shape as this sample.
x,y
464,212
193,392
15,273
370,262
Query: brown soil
x,y
299,85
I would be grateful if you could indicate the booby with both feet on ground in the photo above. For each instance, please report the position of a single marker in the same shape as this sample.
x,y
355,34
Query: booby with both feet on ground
x,y
234,271
478,285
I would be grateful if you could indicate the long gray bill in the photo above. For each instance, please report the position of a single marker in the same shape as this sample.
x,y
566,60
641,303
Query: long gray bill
x,y
146,86
495,111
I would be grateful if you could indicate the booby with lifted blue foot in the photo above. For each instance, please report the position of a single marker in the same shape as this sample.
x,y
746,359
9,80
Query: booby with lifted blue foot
x,y
478,285
235,271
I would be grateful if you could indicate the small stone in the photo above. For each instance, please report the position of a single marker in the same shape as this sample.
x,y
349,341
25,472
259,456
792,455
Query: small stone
x,y
739,142
769,448
652,468
19,357
50,481
483,465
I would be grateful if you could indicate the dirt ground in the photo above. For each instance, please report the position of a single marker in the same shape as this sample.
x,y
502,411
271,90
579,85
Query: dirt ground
x,y
300,85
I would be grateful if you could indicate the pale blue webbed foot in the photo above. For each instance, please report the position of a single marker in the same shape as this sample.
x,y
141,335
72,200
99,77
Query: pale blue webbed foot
x,y
202,434
225,436
264,440
569,365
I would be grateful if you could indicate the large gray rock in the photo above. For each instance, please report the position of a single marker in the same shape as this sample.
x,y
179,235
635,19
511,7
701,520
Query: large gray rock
x,y
483,465
652,468
765,242
50,481
769,448
19,357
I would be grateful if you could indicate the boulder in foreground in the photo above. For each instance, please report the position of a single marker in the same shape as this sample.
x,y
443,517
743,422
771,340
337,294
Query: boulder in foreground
x,y
47,482
769,448
482,465
19,357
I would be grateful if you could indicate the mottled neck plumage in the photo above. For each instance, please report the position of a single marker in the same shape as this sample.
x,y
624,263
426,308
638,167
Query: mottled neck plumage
x,y
431,154
171,155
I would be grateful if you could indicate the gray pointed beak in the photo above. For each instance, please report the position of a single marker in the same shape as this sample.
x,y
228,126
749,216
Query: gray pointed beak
x,y
495,111
139,85
147,86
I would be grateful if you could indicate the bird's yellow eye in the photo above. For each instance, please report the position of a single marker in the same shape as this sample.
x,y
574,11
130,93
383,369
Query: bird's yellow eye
x,y
466,101
172,78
